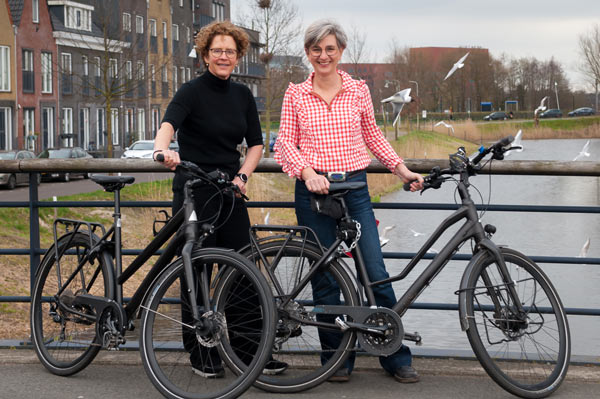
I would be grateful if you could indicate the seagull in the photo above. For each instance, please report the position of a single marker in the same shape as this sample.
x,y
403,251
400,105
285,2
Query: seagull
x,y
382,239
416,233
459,64
584,151
398,100
267,217
516,144
542,106
447,125
193,53
584,250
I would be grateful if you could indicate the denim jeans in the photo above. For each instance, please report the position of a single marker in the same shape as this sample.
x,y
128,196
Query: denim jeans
x,y
360,209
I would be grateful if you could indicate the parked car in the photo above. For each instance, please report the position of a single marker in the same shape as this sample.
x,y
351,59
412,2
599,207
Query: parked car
x,y
496,116
144,149
64,153
10,180
551,113
583,111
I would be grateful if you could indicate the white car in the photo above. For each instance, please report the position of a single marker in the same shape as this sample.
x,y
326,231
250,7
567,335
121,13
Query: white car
x,y
144,149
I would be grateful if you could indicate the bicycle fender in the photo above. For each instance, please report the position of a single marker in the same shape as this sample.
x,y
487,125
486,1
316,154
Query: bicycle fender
x,y
487,248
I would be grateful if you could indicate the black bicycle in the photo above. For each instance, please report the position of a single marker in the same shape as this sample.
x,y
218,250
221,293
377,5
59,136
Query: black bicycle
x,y
209,301
513,317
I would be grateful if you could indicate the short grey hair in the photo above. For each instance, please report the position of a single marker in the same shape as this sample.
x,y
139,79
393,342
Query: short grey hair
x,y
321,28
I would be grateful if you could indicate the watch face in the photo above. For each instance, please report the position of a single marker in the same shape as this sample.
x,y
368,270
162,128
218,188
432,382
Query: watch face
x,y
243,177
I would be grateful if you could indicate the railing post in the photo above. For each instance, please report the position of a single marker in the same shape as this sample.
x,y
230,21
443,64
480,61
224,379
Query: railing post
x,y
34,229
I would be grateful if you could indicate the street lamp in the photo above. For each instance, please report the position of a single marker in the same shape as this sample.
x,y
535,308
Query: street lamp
x,y
418,99
556,91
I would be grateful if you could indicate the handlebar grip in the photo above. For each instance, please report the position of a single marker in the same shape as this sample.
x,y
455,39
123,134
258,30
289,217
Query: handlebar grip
x,y
406,186
160,157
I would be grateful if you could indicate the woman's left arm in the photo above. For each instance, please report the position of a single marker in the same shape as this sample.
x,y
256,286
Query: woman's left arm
x,y
250,162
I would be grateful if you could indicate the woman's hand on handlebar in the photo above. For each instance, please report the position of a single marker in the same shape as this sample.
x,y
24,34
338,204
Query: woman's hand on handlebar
x,y
170,158
241,187
414,179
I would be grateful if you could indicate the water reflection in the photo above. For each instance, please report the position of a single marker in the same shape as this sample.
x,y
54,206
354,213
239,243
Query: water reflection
x,y
535,234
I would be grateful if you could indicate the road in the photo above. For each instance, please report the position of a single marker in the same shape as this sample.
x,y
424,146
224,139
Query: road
x,y
49,189
121,375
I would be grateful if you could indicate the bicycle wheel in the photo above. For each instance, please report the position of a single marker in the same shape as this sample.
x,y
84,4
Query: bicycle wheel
x,y
64,336
239,325
527,355
303,347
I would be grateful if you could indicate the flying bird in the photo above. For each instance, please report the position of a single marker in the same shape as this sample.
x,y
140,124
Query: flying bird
x,y
416,233
584,250
267,217
542,106
584,151
382,239
398,100
459,64
447,125
516,144
193,53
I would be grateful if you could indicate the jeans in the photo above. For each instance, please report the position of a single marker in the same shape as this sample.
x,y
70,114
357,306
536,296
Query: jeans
x,y
360,209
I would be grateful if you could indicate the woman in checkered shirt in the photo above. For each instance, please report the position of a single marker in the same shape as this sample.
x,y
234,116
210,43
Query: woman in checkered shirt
x,y
328,125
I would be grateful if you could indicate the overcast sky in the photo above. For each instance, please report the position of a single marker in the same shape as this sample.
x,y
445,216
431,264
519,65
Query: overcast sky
x,y
525,28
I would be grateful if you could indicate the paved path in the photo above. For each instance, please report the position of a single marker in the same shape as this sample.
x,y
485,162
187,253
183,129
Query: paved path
x,y
120,375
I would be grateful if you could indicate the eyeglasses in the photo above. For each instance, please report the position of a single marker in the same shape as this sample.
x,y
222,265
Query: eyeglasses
x,y
317,51
217,52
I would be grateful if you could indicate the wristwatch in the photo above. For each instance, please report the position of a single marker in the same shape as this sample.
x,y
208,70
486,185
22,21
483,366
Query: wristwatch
x,y
243,177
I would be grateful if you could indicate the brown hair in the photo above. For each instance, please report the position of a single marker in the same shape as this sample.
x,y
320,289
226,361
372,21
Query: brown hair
x,y
206,35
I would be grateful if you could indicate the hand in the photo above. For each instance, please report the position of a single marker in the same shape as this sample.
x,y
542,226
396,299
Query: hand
x,y
315,183
171,158
408,176
241,185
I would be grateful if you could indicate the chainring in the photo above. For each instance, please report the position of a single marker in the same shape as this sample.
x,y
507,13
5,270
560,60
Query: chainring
x,y
390,340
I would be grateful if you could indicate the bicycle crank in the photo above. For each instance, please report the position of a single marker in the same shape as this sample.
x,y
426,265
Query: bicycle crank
x,y
379,329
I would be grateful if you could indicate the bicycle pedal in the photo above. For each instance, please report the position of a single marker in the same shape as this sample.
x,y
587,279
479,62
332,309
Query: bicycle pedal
x,y
416,338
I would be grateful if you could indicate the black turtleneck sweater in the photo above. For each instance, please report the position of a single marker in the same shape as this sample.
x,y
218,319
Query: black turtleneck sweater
x,y
212,116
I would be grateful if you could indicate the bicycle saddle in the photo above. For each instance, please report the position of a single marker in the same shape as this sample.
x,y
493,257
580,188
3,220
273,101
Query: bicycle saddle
x,y
350,185
112,183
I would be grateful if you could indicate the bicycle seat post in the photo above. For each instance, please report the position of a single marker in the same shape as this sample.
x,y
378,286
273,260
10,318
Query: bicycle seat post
x,y
117,237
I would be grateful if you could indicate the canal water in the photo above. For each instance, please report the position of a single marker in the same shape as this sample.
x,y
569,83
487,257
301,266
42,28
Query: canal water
x,y
534,234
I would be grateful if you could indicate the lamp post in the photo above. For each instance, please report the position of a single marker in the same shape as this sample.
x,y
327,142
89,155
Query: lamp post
x,y
556,92
418,99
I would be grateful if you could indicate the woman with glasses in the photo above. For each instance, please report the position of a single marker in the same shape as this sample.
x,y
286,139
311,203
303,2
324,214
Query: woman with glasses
x,y
326,132
212,116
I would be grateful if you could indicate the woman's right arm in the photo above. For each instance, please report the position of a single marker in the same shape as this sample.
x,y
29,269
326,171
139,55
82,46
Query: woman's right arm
x,y
161,145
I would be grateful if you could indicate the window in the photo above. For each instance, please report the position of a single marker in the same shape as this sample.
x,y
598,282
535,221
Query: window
x,y
66,82
189,74
128,124
153,27
141,122
140,70
67,66
126,22
164,74
218,10
152,72
29,121
174,78
79,17
139,24
182,72
188,34
100,127
35,11
97,67
155,121
5,128
4,68
114,119
112,68
85,66
180,3
175,32
67,120
84,127
28,80
164,24
47,127
46,72
128,70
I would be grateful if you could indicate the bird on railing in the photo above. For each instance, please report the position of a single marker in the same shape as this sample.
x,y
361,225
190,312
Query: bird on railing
x,y
398,100
584,250
382,238
446,125
459,64
584,151
516,144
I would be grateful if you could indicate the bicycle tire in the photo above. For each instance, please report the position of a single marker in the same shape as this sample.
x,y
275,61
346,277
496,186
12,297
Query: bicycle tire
x,y
527,358
303,352
237,285
64,342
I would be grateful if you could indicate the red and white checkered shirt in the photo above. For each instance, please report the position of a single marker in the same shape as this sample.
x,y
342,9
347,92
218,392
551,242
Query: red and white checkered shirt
x,y
330,138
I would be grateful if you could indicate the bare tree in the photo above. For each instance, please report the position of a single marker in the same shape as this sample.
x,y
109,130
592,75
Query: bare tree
x,y
355,52
589,48
277,22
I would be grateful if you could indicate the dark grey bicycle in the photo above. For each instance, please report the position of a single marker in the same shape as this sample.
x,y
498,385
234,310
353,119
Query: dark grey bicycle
x,y
513,317
207,301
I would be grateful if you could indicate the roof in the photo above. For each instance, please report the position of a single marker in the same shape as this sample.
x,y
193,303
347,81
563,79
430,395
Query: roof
x,y
16,10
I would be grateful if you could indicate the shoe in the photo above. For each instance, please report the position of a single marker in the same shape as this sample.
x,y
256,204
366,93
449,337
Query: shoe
x,y
274,367
406,375
341,375
209,372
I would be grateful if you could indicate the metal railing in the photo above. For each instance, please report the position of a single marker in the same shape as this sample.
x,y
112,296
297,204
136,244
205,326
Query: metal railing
x,y
33,166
